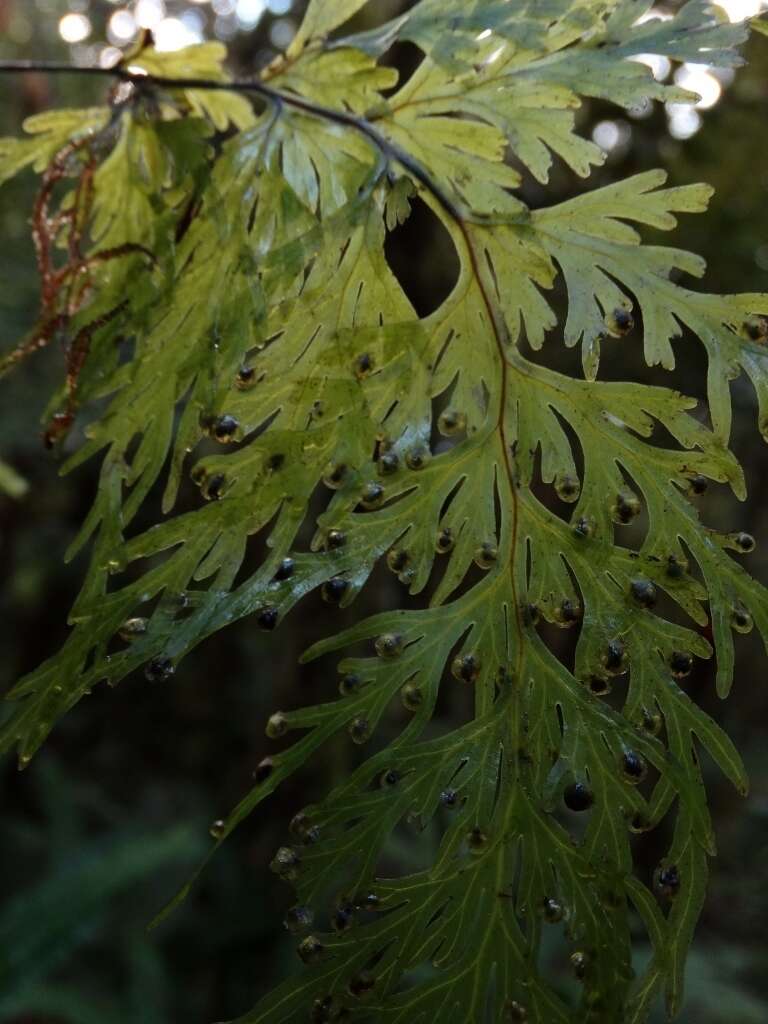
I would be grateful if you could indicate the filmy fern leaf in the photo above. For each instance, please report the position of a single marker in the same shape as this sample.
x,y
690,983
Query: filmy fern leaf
x,y
216,268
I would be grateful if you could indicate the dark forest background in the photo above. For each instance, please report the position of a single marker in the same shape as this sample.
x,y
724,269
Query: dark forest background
x,y
113,814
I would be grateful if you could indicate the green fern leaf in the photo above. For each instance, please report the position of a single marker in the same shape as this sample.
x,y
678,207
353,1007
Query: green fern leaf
x,y
50,131
237,292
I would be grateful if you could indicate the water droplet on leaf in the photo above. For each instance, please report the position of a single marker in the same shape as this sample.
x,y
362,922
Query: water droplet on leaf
x,y
325,1010
389,778
445,540
412,697
615,658
263,769
285,570
486,555
225,428
277,725
312,835
644,592
578,797
335,539
218,829
579,963
343,918
417,457
333,590
744,542
359,729
681,663
214,488
246,378
620,321
389,463
666,881
132,628
389,645
568,487
627,507
298,918
334,476
652,722
451,422
398,560
531,615
568,614
267,618
600,686
198,474
372,496
466,667
676,567
286,863
477,840
300,825
553,910
310,950
159,669
756,329
584,527
350,684
639,824
634,767
363,366
741,620
361,984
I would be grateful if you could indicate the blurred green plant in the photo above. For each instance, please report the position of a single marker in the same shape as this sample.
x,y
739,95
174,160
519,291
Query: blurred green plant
x,y
236,289
44,927
11,483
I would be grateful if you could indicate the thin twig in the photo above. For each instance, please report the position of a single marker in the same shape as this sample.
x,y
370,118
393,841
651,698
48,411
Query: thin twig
x,y
141,80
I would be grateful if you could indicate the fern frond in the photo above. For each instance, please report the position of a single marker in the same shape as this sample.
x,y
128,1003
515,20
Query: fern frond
x,y
269,321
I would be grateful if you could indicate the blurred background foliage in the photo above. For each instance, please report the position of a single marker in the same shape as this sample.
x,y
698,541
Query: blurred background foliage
x,y
113,814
